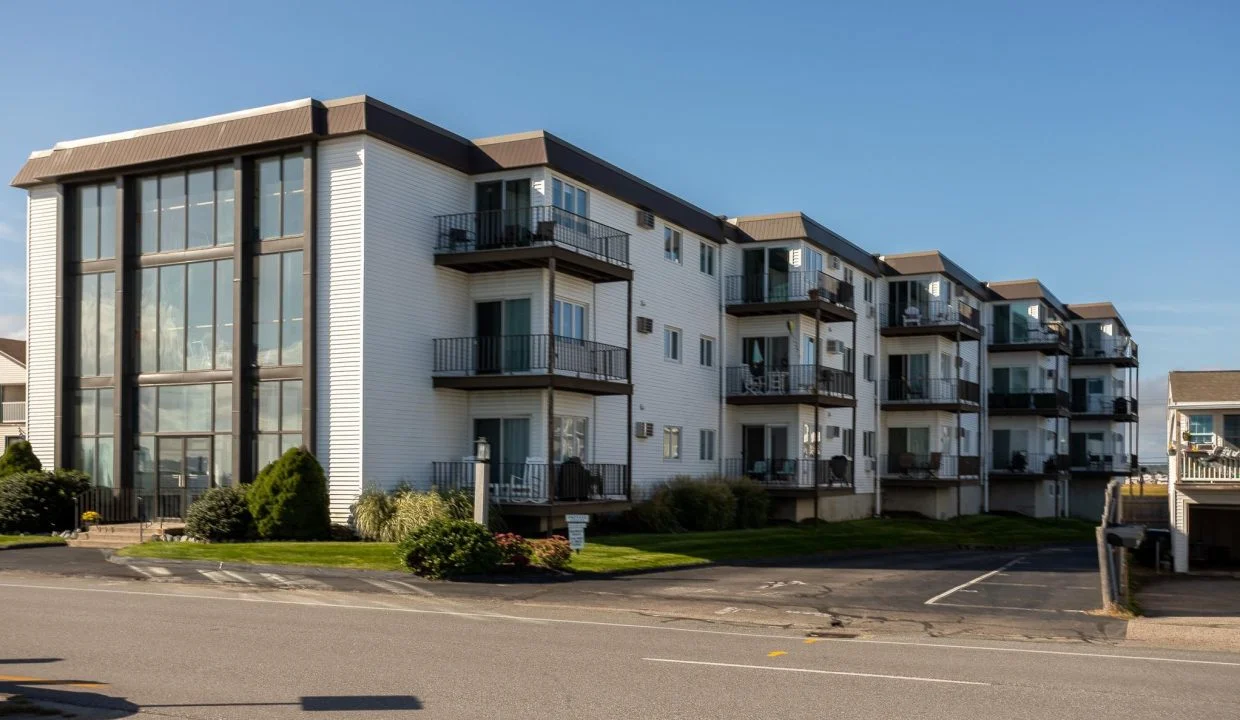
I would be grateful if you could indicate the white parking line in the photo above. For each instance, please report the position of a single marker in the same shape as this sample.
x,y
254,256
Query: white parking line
x,y
415,588
818,672
974,581
279,580
1005,607
1057,587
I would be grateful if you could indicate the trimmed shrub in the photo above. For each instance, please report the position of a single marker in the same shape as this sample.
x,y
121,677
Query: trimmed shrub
x,y
514,550
19,458
288,499
700,504
220,514
343,533
753,504
461,507
553,552
447,548
654,515
40,502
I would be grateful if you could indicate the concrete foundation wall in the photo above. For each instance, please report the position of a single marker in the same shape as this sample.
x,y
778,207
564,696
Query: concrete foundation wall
x,y
1086,497
833,508
1035,498
938,503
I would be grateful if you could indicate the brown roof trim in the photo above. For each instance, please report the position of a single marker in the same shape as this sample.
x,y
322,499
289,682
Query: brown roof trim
x,y
1031,289
799,226
1098,311
1203,386
14,350
932,261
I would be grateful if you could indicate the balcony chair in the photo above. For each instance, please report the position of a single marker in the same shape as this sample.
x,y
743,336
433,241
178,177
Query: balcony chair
x,y
905,462
750,385
785,472
1095,462
529,485
838,467
777,382
1019,462
758,471
912,316
936,462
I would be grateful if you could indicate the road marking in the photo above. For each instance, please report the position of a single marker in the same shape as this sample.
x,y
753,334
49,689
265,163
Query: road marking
x,y
215,576
1007,607
25,680
1036,585
386,586
810,641
415,588
776,653
599,623
818,672
237,577
147,572
279,580
974,581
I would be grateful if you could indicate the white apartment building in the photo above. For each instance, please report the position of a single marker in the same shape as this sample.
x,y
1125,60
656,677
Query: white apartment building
x,y
12,390
346,276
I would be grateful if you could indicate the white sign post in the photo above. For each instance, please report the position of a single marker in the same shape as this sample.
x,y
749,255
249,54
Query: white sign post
x,y
577,531
482,481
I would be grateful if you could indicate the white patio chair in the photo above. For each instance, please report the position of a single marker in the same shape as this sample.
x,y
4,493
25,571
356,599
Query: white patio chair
x,y
912,316
750,385
527,487
776,382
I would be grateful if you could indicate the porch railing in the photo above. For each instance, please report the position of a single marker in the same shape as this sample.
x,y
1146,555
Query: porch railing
x,y
120,505
929,314
1104,405
518,354
537,226
787,287
1020,332
1103,463
791,473
1209,469
1020,462
1039,399
1107,348
930,390
12,412
790,380
929,465
527,482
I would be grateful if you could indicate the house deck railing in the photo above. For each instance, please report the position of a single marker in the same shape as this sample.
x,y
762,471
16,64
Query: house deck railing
x,y
513,483
526,227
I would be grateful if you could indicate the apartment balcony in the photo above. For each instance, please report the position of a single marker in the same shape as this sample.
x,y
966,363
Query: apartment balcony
x,y
524,362
953,320
931,394
532,237
515,486
1102,465
908,469
814,294
1044,402
1211,470
793,476
1120,352
1115,408
12,413
1046,338
1023,465
792,385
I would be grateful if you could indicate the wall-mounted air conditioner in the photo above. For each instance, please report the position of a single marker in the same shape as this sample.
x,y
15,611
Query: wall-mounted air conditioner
x,y
835,347
644,429
645,325
645,219
835,262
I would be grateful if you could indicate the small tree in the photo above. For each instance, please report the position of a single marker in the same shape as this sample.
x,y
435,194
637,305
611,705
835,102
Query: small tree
x,y
19,458
288,499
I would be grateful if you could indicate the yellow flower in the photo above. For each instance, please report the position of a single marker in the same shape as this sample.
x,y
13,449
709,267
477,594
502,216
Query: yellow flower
x,y
91,516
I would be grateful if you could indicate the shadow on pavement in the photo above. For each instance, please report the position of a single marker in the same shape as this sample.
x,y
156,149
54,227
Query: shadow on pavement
x,y
1180,596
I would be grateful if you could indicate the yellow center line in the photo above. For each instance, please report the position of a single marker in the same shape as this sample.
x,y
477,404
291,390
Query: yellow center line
x,y
776,653
24,679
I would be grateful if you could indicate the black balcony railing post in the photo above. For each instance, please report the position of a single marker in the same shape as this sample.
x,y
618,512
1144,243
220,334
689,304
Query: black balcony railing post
x,y
527,227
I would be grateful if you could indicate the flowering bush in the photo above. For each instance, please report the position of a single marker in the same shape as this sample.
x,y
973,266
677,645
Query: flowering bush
x,y
553,552
514,549
445,548
90,516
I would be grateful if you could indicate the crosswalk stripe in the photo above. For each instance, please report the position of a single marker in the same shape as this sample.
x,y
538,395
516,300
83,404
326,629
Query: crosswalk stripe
x,y
238,577
160,571
415,588
215,576
385,585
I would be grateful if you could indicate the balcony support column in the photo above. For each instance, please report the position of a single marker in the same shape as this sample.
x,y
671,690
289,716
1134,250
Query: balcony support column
x,y
628,375
959,413
852,466
817,405
551,479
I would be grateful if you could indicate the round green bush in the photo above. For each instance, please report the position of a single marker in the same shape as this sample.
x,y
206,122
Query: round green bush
x,y
700,505
448,548
39,502
18,458
753,504
553,552
220,514
288,499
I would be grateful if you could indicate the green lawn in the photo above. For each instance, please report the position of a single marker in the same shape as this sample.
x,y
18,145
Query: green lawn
x,y
609,553
10,541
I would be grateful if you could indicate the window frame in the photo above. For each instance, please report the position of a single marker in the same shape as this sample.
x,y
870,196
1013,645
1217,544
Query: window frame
x,y
282,321
676,352
868,447
140,216
707,258
104,345
220,341
81,437
572,311
673,442
257,433
867,367
706,351
1198,435
281,160
564,425
706,445
673,245
103,251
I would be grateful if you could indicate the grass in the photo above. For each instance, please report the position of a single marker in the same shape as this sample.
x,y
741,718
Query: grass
x,y
1150,490
16,541
611,553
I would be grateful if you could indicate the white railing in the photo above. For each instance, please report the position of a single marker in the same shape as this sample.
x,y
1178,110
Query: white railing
x,y
12,412
1198,469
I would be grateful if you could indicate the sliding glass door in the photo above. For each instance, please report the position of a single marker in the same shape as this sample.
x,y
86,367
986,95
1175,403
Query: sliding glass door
x,y
502,331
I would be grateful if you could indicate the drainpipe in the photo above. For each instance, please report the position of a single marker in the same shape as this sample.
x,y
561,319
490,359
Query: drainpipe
x,y
721,442
959,420
817,408
878,442
983,418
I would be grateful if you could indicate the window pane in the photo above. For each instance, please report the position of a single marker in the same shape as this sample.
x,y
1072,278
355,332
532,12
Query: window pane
x,y
223,314
88,222
557,193
294,195
148,320
289,441
200,345
172,408
88,325
223,407
148,201
172,212
148,402
199,408
268,406
87,412
267,310
172,318
223,460
268,198
107,322
290,414
224,206
105,411
103,463
84,455
268,450
144,464
107,221
201,208
291,310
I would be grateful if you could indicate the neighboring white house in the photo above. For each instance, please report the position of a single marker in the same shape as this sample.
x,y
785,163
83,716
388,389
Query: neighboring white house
x,y
12,390
346,276
1203,438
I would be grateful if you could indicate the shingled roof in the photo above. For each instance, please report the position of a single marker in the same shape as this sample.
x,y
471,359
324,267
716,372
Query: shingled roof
x,y
1204,386
14,349
933,261
1031,289
798,225
1098,311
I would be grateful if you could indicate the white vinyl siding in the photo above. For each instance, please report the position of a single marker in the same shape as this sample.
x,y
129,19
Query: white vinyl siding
x,y
42,259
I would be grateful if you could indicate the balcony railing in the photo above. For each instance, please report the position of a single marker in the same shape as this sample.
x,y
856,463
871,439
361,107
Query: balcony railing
x,y
930,391
1021,462
1108,348
787,287
1035,399
12,412
529,354
791,380
537,226
929,465
929,314
794,474
1019,332
1209,469
1103,463
527,482
1115,405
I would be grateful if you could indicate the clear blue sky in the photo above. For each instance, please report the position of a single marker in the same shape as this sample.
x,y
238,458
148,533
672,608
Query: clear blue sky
x,y
1093,145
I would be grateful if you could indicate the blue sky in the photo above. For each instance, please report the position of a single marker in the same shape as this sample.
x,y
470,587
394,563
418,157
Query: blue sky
x,y
1093,145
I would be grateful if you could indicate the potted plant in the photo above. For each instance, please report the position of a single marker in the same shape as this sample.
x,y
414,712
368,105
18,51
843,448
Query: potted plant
x,y
90,517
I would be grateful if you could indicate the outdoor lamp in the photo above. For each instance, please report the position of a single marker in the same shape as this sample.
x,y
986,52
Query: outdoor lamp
x,y
482,450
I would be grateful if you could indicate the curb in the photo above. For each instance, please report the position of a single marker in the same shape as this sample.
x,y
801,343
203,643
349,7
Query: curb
x,y
33,544
1202,634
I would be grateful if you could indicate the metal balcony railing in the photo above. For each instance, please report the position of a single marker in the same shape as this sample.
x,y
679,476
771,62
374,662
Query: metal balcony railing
x,y
1021,462
1103,463
929,465
527,482
1108,348
929,314
529,354
791,473
536,226
929,390
1032,332
787,287
12,412
791,380
1033,399
1116,405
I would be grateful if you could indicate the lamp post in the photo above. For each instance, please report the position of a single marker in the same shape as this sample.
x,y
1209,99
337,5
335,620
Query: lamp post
x,y
482,485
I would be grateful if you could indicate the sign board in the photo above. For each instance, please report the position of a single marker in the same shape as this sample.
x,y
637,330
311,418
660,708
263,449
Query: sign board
x,y
577,519
577,537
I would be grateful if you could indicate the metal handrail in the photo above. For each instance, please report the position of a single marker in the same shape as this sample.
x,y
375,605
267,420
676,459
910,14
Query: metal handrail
x,y
534,226
519,354
791,286
935,313
756,379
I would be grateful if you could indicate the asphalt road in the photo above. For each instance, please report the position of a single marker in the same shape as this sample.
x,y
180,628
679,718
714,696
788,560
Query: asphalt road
x,y
235,651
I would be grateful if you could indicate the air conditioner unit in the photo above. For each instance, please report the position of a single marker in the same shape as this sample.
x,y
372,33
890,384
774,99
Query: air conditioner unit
x,y
644,429
835,346
835,262
645,219
645,325
833,431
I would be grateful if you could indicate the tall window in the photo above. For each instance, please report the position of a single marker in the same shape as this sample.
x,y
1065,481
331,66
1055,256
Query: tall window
x,y
278,419
1201,429
281,196
671,244
96,321
706,445
671,344
278,308
96,222
185,317
671,442
868,367
570,438
867,289
570,320
92,451
178,426
848,441
707,255
571,198
186,210
1231,429
706,352
867,444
